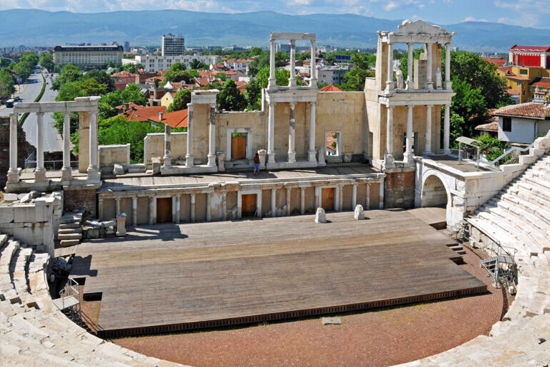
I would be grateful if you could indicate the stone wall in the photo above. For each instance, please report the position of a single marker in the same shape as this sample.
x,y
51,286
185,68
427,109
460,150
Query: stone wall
x,y
400,188
111,154
153,146
23,149
34,223
81,198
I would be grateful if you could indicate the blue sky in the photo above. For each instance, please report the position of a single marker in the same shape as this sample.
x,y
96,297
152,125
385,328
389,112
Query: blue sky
x,y
531,13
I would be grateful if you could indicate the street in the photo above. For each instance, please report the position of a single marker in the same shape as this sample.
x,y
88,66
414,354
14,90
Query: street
x,y
52,140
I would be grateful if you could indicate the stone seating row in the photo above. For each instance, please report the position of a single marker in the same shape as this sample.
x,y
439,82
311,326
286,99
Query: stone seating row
x,y
34,332
518,218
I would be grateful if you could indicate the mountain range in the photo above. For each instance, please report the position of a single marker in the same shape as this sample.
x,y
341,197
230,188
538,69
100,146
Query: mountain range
x,y
42,28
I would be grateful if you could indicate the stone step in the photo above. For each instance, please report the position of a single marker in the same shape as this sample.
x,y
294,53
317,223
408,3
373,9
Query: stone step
x,y
70,236
67,243
70,230
524,233
134,168
494,232
69,225
71,218
458,249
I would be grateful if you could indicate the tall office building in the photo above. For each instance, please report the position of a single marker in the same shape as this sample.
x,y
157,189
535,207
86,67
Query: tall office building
x,y
173,45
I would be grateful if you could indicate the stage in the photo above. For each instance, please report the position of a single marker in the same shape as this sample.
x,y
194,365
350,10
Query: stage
x,y
179,277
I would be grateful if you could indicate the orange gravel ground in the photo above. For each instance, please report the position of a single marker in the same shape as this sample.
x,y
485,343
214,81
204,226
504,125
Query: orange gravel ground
x,y
373,338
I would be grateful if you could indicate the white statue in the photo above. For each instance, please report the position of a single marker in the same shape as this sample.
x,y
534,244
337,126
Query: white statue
x,y
399,75
359,213
320,216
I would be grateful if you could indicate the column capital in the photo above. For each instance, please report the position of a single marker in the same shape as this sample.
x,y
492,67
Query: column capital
x,y
117,198
292,105
293,43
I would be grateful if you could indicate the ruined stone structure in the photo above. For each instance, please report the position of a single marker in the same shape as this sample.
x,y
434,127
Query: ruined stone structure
x,y
186,177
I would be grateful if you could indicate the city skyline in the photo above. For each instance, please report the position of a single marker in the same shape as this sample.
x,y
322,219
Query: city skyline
x,y
531,13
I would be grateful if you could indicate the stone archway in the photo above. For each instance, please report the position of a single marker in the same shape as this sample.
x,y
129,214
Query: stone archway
x,y
434,193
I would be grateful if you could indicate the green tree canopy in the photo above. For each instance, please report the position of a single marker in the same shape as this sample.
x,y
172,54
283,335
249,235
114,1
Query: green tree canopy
x,y
69,73
253,94
7,83
101,77
46,61
197,65
181,99
230,98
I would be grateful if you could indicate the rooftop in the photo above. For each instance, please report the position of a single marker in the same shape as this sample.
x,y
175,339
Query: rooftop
x,y
531,110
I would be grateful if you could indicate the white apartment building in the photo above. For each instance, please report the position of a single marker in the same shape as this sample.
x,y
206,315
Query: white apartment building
x,y
153,63
87,56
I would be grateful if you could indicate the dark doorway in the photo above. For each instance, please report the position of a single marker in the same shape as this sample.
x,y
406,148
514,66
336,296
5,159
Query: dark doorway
x,y
164,210
249,205
327,199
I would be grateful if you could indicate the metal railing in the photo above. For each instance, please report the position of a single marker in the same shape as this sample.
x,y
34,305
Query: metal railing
x,y
509,151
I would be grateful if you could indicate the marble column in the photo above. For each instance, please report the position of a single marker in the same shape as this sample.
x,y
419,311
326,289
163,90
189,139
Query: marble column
x,y
193,202
447,129
311,152
292,79
189,156
317,197
288,189
271,135
224,205
429,72
152,210
292,135
390,88
380,194
176,208
367,196
448,83
208,208
100,208
410,83
66,172
313,72
167,146
410,137
389,163
13,172
302,200
273,202
117,206
428,148
212,137
40,171
134,210
354,195
93,171
339,198
272,81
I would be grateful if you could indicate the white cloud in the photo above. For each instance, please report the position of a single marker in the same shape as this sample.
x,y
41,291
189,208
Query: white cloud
x,y
390,6
528,13
472,19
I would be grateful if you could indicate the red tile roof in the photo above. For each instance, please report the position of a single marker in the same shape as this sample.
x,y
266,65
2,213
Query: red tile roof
x,y
174,119
543,83
331,88
530,48
498,62
530,110
492,126
513,92
123,74
135,112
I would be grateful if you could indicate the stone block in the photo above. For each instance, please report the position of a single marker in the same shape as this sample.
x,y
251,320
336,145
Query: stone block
x,y
331,321
320,216
30,213
121,225
10,197
7,214
118,169
359,213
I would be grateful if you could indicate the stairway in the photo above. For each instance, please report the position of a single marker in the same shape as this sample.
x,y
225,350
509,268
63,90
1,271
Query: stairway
x,y
70,229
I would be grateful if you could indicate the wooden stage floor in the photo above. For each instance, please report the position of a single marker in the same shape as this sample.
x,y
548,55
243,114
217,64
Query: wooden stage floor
x,y
178,277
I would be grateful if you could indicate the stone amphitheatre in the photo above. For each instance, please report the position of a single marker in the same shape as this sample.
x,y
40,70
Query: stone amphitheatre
x,y
203,243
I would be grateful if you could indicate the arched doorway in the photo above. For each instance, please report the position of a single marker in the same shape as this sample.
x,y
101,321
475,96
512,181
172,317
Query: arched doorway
x,y
434,193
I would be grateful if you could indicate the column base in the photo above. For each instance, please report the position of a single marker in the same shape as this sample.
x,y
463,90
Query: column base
x,y
313,83
66,173
445,151
449,86
408,158
292,83
93,175
13,177
211,160
430,85
39,175
409,85
291,157
189,161
167,161
272,83
390,88
271,158
311,156
388,161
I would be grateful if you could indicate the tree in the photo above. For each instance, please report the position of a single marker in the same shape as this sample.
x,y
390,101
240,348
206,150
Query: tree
x,y
354,80
69,73
46,61
230,98
253,94
178,66
7,83
4,62
102,78
197,65
181,99
281,76
70,91
359,61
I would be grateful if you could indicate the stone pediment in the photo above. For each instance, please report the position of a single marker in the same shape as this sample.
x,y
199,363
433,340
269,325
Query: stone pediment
x,y
419,27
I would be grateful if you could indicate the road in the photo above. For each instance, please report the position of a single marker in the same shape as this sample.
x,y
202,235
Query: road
x,y
52,140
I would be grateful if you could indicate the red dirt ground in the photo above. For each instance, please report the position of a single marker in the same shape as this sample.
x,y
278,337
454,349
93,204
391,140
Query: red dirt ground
x,y
374,338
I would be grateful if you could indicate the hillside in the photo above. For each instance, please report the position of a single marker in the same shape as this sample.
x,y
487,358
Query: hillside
x,y
43,28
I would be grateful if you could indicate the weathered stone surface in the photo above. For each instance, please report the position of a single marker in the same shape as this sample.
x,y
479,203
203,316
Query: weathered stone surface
x,y
118,169
320,216
10,197
331,321
121,225
359,213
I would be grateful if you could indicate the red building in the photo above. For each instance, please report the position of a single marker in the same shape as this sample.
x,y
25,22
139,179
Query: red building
x,y
530,56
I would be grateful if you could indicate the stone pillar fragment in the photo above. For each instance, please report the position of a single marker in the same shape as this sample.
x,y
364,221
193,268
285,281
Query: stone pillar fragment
x,y
313,73
212,137
66,172
428,148
121,225
292,79
167,146
389,79
408,151
410,83
447,129
311,151
189,156
13,172
271,135
320,216
40,171
359,213
389,163
292,135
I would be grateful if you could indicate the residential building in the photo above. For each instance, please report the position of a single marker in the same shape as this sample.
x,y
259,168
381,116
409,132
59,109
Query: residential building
x,y
332,74
153,63
530,56
173,45
540,89
134,112
520,80
88,57
523,123
237,64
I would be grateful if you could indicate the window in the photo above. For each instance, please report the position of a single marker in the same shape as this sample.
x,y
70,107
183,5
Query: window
x,y
507,124
332,143
519,84
523,71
